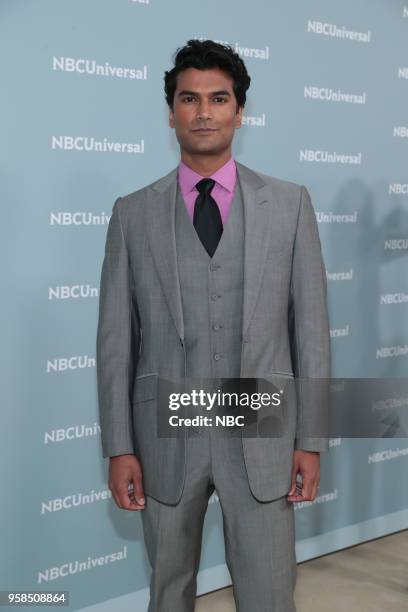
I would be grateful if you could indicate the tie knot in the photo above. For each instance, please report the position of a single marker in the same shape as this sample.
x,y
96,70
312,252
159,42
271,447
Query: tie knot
x,y
205,185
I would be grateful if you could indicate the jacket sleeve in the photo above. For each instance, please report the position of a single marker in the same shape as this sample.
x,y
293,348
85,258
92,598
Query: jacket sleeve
x,y
116,332
309,331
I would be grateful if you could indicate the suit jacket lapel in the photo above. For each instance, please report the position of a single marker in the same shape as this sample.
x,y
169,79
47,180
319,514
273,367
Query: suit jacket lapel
x,y
162,239
258,213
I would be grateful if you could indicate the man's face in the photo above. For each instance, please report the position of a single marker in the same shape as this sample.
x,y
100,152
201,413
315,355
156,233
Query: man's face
x,y
205,113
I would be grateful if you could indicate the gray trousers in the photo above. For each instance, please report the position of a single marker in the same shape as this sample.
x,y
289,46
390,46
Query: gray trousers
x,y
259,536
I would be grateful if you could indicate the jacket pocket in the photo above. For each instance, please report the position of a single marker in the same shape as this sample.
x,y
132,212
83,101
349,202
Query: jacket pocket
x,y
278,379
284,374
145,387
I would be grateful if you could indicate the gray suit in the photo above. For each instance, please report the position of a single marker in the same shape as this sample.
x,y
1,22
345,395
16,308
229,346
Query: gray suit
x,y
145,329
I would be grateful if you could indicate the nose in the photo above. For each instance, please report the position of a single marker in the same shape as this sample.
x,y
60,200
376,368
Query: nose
x,y
203,111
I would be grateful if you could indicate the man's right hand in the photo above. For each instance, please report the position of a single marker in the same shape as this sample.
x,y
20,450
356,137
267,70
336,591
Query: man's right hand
x,y
125,470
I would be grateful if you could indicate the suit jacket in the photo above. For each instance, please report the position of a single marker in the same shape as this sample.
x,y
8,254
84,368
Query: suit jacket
x,y
140,336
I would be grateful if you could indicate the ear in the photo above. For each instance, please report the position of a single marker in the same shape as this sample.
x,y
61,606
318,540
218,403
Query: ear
x,y
171,118
238,117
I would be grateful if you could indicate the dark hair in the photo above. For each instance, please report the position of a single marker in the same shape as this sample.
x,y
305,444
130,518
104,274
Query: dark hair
x,y
204,55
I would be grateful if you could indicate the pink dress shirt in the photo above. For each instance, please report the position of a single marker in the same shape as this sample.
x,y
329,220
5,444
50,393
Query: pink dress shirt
x,y
222,192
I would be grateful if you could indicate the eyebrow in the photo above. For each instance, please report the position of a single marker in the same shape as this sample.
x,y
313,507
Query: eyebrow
x,y
221,92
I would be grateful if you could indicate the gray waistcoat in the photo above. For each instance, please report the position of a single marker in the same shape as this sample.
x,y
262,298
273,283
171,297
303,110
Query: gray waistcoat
x,y
212,293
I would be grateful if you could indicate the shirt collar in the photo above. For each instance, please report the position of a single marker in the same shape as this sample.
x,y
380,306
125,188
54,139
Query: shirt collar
x,y
224,176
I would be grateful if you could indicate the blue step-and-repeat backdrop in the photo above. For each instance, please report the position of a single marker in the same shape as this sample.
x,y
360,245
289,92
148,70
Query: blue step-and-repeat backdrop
x,y
84,120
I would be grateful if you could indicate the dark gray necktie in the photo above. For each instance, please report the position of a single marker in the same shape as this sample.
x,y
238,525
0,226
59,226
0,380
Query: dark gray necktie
x,y
207,217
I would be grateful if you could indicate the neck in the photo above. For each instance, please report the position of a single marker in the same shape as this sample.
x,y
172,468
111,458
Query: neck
x,y
205,165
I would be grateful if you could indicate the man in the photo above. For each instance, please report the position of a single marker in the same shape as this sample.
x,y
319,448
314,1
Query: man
x,y
213,271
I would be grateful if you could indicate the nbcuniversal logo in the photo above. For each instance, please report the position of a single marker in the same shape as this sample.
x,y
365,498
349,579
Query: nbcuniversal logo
x,y
91,144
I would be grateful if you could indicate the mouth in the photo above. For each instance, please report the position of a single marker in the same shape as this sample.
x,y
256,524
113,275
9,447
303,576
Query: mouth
x,y
204,130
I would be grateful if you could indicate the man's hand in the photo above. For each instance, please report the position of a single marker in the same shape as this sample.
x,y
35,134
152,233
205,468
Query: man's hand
x,y
125,470
306,463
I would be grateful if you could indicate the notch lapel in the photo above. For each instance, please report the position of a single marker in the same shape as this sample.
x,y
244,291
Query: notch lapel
x,y
162,241
257,223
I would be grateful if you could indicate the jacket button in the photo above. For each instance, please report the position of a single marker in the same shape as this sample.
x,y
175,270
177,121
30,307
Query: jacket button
x,y
217,356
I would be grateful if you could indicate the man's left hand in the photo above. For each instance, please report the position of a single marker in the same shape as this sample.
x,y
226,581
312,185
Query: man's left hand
x,y
307,464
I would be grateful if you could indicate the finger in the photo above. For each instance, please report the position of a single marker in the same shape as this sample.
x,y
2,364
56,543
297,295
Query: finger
x,y
133,500
299,493
307,487
293,480
296,498
308,493
124,501
138,489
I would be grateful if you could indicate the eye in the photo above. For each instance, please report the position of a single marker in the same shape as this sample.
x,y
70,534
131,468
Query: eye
x,y
188,98
220,99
